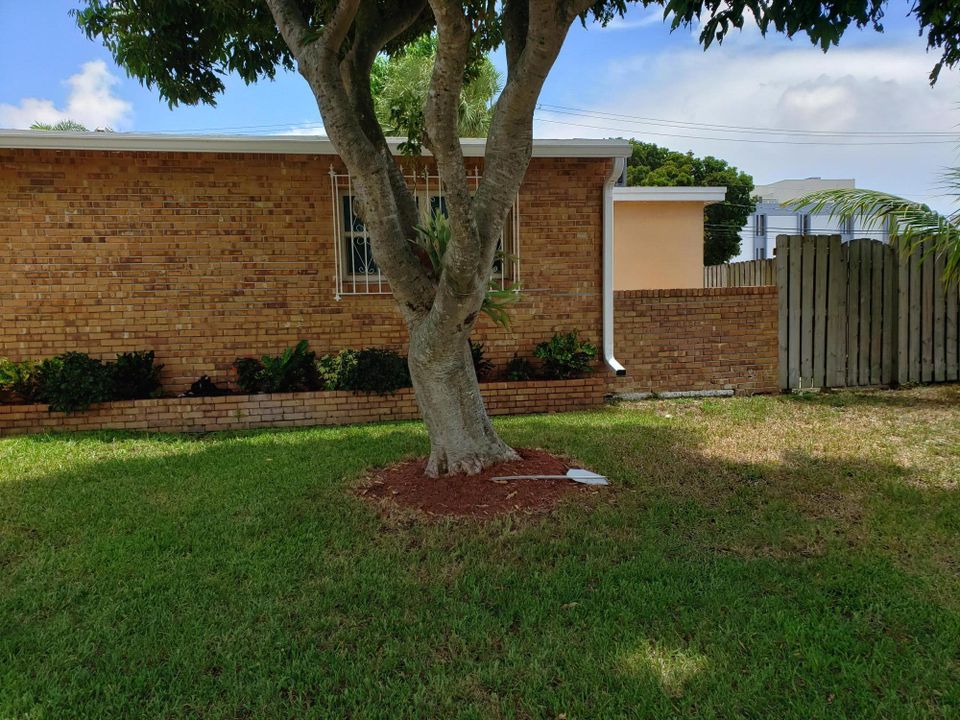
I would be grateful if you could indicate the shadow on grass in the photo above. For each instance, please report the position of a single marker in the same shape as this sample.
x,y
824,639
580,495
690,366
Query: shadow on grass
x,y
946,396
236,577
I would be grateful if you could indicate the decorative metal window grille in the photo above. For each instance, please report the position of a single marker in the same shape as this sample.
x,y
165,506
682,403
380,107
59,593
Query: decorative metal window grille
x,y
356,270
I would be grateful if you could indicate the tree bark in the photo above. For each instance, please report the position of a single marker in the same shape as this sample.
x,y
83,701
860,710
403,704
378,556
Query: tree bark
x,y
462,438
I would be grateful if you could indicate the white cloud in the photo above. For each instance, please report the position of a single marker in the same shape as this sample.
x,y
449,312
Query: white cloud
x,y
749,82
651,16
305,129
90,101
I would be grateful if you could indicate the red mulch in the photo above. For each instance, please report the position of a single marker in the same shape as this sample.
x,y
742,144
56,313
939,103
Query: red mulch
x,y
476,495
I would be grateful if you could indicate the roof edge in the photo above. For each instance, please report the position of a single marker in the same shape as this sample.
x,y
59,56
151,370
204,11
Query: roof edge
x,y
271,144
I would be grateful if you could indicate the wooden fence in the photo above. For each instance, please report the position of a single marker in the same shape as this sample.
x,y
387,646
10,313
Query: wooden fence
x,y
863,314
740,274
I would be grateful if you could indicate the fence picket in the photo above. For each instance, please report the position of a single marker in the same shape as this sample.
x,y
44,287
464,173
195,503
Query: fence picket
x,y
793,314
939,315
836,313
926,321
783,300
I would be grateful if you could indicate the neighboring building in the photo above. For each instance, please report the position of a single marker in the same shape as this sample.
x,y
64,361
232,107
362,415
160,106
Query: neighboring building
x,y
658,235
206,248
759,236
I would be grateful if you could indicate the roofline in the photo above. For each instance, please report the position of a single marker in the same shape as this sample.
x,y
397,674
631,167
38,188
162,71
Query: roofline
x,y
271,144
670,194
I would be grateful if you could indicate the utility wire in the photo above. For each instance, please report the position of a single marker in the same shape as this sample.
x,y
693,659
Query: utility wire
x,y
603,115
874,143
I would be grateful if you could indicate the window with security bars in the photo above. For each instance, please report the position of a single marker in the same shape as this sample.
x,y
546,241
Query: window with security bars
x,y
357,272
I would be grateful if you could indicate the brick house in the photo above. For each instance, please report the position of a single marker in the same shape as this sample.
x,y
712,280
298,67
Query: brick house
x,y
206,248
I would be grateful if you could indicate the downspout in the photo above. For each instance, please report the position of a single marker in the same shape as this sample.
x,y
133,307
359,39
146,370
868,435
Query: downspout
x,y
608,357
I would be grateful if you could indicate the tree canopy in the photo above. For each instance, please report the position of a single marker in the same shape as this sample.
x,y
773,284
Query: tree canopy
x,y
651,164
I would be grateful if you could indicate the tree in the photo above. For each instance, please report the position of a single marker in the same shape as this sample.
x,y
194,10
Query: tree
x,y
62,126
658,166
185,48
400,84
914,226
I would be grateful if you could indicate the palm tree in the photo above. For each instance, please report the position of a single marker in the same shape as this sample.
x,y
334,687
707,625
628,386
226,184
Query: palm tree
x,y
915,227
62,126
400,85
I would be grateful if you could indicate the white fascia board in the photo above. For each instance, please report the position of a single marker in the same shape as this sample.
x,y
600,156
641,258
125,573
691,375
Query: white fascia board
x,y
669,194
281,144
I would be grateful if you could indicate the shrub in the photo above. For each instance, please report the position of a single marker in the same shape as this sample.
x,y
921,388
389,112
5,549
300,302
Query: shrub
x,y
565,356
18,380
205,387
481,365
333,369
135,376
293,370
374,370
519,369
73,381
248,374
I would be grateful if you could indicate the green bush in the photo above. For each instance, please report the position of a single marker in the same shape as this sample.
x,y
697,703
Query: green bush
x,y
481,365
248,374
565,356
373,370
333,369
519,369
295,369
18,380
135,376
73,381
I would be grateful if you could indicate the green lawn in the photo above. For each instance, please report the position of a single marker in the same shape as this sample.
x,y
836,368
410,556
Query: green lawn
x,y
757,557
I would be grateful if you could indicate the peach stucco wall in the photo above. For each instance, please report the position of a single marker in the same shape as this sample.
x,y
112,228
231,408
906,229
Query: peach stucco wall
x,y
657,245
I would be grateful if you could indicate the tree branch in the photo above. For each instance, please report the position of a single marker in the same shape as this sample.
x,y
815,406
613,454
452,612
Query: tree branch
x,y
384,199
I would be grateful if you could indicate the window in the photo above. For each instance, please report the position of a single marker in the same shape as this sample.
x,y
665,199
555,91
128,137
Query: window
x,y
358,256
760,225
760,253
803,223
356,272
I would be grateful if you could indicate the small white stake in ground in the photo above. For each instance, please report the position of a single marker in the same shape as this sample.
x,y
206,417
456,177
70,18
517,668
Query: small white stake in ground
x,y
586,477
579,475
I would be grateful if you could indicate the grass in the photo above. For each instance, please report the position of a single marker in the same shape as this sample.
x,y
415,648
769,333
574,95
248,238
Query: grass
x,y
757,557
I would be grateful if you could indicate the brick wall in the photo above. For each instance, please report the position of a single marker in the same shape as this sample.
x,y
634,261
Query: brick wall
x,y
204,257
240,412
712,339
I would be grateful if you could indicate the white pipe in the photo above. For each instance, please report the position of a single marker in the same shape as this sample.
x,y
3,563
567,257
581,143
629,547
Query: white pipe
x,y
615,173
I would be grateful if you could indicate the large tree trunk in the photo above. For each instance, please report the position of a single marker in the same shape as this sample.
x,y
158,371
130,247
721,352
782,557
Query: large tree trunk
x,y
462,438
440,308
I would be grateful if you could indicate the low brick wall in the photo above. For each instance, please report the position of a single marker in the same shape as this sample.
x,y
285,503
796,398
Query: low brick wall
x,y
697,339
240,412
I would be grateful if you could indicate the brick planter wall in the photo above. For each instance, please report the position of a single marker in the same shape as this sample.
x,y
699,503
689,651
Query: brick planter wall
x,y
240,412
697,339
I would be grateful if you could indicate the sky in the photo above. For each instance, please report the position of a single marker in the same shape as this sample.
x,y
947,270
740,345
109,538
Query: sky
x,y
857,111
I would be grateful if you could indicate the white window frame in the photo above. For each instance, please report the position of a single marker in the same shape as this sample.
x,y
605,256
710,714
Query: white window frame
x,y
425,187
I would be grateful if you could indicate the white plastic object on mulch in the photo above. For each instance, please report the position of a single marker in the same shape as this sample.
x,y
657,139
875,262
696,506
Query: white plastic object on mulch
x,y
579,475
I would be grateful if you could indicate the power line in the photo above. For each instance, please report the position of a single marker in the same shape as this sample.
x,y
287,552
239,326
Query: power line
x,y
745,140
603,115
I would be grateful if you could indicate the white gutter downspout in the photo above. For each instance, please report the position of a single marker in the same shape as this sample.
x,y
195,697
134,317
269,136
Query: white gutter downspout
x,y
608,357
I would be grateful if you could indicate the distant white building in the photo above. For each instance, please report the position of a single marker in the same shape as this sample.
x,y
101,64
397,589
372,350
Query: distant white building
x,y
758,237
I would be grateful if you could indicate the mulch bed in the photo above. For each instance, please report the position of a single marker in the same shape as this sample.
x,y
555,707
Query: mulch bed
x,y
476,495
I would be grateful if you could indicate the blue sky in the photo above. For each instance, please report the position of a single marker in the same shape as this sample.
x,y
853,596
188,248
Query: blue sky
x,y
634,78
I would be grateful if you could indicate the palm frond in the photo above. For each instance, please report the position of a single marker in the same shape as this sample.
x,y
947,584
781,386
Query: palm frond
x,y
912,225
